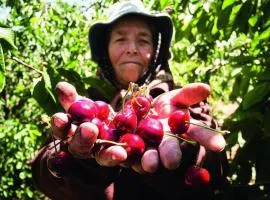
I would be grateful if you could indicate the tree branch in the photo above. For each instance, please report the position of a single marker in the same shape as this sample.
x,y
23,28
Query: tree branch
x,y
25,64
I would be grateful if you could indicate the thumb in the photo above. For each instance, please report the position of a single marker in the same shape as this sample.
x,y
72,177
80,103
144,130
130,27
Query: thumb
x,y
66,93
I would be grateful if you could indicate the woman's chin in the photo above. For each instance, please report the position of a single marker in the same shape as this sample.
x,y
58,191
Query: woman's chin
x,y
131,77
126,82
133,80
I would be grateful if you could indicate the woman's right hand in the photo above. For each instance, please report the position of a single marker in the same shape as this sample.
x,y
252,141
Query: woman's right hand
x,y
84,136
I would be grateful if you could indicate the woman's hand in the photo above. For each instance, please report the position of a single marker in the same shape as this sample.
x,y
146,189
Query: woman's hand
x,y
85,135
182,98
169,151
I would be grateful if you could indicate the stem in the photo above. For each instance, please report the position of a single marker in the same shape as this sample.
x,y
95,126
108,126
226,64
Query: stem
x,y
140,105
181,138
125,97
25,64
100,141
54,143
209,128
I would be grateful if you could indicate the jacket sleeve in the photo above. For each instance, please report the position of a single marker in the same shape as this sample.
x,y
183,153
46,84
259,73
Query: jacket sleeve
x,y
85,178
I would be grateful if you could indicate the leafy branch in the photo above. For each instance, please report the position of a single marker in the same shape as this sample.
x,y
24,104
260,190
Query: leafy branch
x,y
26,65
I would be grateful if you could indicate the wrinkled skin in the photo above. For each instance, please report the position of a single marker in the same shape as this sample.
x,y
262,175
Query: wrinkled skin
x,y
167,154
130,50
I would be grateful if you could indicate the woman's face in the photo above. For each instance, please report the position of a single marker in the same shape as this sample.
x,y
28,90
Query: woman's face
x,y
130,49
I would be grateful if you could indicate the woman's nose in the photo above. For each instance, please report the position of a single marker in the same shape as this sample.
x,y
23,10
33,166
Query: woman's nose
x,y
132,48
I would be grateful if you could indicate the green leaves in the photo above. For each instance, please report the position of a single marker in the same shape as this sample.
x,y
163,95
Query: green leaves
x,y
2,69
224,43
256,95
18,143
7,35
163,4
265,34
227,3
103,86
45,97
253,20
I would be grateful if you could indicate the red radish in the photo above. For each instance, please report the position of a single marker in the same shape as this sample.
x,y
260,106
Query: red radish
x,y
103,110
125,121
141,106
107,133
60,164
151,130
197,176
135,145
98,122
178,122
83,110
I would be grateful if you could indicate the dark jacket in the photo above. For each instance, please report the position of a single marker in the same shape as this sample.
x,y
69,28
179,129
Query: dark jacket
x,y
88,180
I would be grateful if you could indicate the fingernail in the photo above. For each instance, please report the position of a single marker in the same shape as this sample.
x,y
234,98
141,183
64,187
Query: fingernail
x,y
58,122
83,132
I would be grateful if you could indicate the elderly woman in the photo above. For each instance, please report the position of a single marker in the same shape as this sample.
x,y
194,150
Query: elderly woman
x,y
132,46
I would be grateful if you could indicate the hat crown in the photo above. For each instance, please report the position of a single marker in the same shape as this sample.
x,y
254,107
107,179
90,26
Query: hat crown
x,y
99,31
126,7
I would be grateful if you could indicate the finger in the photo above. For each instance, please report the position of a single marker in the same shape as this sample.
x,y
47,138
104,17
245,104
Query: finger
x,y
60,124
111,156
71,131
170,152
137,167
208,138
83,140
150,160
201,156
66,93
190,94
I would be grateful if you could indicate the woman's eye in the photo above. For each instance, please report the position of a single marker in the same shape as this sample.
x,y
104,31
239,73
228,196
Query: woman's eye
x,y
120,39
144,41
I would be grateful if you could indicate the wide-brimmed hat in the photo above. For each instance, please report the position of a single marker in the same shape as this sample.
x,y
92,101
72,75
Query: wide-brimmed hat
x,y
98,31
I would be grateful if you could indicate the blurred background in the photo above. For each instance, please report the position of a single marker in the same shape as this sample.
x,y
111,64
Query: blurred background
x,y
224,43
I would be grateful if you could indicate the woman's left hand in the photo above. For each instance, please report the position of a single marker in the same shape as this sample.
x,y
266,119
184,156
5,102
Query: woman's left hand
x,y
169,152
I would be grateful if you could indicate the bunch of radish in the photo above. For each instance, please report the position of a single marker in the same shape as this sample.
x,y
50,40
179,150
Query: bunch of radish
x,y
135,127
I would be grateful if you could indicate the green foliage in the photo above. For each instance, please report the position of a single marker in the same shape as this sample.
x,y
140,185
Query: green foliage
x,y
223,43
6,36
18,143
226,44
